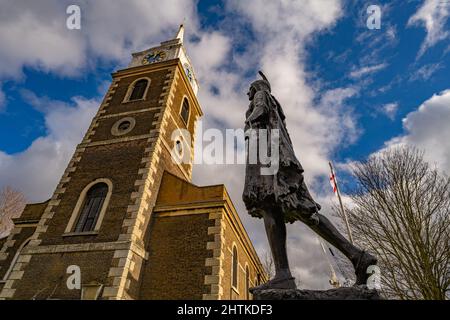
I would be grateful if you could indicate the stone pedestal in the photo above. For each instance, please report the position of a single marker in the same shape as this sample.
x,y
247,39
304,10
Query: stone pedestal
x,y
350,293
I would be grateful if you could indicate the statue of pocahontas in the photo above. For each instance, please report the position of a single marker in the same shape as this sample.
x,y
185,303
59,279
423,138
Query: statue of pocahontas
x,y
282,197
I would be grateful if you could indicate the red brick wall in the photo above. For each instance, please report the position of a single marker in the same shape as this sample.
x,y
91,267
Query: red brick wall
x,y
142,126
48,276
177,252
243,258
19,239
153,94
118,162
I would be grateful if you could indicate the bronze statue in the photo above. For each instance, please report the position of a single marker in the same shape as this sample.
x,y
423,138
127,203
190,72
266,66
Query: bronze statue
x,y
282,197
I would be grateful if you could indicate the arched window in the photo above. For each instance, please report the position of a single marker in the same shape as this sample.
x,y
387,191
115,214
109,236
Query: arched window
x,y
185,110
247,282
234,270
91,208
139,90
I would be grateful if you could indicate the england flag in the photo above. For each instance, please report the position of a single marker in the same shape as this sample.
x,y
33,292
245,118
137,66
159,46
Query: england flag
x,y
333,182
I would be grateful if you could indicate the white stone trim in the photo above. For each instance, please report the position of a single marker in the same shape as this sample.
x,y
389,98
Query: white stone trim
x,y
188,173
179,165
91,288
24,259
15,271
80,202
236,288
130,89
215,279
101,110
181,108
9,241
127,113
114,141
247,276
141,201
115,128
49,211
118,246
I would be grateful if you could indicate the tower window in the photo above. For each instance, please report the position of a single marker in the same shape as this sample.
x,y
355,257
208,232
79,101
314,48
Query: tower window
x,y
185,110
123,126
91,207
179,147
139,90
234,269
247,282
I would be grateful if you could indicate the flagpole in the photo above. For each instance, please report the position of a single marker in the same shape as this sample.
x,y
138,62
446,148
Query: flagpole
x,y
334,281
340,203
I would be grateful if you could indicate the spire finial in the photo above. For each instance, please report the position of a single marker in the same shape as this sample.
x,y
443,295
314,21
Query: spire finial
x,y
180,33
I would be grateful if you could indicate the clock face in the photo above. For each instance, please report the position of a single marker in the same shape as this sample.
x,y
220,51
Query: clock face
x,y
154,56
188,70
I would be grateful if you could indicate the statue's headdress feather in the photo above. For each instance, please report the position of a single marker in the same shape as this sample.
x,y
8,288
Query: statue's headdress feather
x,y
263,76
264,79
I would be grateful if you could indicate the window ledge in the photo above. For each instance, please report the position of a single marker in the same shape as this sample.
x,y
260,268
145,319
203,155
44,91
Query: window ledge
x,y
131,101
75,234
235,290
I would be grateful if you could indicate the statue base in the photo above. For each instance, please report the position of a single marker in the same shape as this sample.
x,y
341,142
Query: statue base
x,y
344,293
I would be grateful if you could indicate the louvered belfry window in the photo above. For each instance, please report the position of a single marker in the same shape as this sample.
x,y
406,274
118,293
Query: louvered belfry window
x,y
234,275
247,282
185,111
91,207
139,90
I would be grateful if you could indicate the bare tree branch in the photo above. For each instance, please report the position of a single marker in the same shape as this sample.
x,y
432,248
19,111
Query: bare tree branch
x,y
401,214
12,203
268,264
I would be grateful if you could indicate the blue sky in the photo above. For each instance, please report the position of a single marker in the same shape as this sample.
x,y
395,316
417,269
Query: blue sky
x,y
402,63
21,123
347,91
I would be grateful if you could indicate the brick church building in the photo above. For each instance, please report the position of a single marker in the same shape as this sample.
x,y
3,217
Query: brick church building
x,y
125,219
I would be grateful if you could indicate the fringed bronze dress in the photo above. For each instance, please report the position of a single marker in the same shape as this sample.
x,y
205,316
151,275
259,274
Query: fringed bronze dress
x,y
286,188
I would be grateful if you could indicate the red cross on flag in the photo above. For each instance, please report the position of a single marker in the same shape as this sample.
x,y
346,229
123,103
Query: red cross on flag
x,y
333,182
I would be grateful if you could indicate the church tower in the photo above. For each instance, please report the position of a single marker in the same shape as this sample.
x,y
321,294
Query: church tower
x,y
116,171
125,221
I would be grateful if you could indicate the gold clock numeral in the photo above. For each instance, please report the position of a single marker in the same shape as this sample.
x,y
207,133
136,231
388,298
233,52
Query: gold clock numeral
x,y
154,56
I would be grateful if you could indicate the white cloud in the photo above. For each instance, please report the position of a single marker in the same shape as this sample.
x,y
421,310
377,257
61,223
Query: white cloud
x,y
374,44
318,121
390,110
433,15
427,128
113,29
282,19
425,72
391,33
36,170
211,51
340,125
219,95
34,34
364,71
